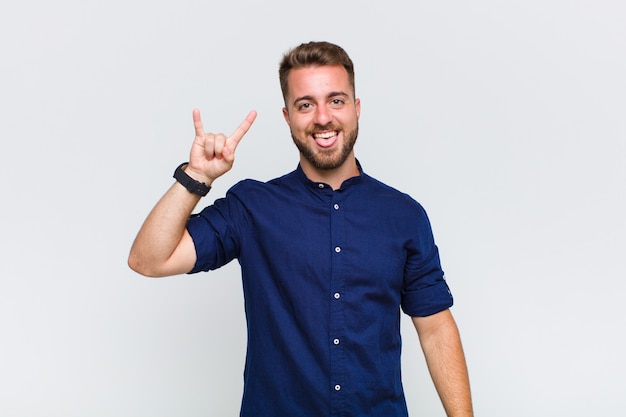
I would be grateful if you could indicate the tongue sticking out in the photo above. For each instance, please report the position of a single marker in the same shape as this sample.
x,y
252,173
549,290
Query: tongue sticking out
x,y
325,140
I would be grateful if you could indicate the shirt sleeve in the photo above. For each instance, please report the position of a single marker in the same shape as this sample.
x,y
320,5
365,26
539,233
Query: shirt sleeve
x,y
425,291
215,233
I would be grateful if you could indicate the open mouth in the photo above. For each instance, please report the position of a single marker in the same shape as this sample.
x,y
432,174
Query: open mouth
x,y
326,139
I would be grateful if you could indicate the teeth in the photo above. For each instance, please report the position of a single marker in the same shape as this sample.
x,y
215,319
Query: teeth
x,y
324,135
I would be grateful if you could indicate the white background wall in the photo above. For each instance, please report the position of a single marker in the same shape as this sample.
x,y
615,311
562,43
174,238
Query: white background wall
x,y
505,119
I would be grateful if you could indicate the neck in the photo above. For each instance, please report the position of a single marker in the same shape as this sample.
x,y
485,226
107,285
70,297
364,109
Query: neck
x,y
333,177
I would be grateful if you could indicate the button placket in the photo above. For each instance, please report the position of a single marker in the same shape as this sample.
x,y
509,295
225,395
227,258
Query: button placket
x,y
337,318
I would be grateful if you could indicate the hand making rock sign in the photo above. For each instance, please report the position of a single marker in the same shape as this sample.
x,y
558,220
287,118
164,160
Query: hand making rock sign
x,y
213,154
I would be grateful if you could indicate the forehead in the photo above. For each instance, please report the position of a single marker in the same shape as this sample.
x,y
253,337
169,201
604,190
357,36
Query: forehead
x,y
318,80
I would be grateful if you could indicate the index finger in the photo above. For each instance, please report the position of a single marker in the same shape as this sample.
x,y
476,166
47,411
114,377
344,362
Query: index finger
x,y
243,128
197,123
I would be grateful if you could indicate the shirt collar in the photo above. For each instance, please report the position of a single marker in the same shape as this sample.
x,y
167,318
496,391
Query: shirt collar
x,y
320,185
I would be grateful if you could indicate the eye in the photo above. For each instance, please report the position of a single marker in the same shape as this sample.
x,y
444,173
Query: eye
x,y
337,102
304,106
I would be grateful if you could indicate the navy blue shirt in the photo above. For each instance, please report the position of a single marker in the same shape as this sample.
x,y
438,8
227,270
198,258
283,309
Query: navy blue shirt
x,y
325,273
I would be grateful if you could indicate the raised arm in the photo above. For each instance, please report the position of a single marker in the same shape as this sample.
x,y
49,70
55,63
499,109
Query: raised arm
x,y
441,343
163,246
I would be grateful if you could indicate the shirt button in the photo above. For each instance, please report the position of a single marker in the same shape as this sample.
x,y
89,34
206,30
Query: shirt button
x,y
337,387
336,341
336,206
337,296
320,185
337,249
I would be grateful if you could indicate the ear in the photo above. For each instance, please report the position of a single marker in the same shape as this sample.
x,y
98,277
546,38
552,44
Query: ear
x,y
286,115
357,107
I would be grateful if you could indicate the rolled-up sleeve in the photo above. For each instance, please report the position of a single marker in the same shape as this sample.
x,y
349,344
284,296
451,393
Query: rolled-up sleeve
x,y
425,291
215,233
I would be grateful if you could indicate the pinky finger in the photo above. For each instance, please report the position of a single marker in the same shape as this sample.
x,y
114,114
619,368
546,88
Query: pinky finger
x,y
197,123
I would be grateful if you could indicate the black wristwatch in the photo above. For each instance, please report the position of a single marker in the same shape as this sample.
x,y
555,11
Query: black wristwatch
x,y
189,183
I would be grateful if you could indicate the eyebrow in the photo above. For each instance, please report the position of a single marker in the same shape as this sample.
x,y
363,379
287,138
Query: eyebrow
x,y
330,95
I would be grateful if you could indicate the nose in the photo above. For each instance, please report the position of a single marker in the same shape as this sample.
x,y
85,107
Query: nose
x,y
323,116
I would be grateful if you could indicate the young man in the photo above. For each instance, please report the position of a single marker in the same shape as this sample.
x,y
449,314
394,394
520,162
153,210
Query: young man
x,y
328,257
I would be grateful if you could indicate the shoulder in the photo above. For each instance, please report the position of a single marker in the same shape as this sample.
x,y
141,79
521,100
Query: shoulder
x,y
251,188
389,195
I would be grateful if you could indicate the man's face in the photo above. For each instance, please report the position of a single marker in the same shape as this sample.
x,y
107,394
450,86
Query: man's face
x,y
322,114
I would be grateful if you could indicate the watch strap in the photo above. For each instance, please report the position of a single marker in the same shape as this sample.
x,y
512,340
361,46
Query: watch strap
x,y
192,185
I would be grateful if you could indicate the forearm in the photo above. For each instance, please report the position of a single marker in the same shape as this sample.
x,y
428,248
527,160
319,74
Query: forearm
x,y
163,247
444,355
155,251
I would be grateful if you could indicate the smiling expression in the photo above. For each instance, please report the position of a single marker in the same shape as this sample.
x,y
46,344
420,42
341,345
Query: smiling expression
x,y
323,115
